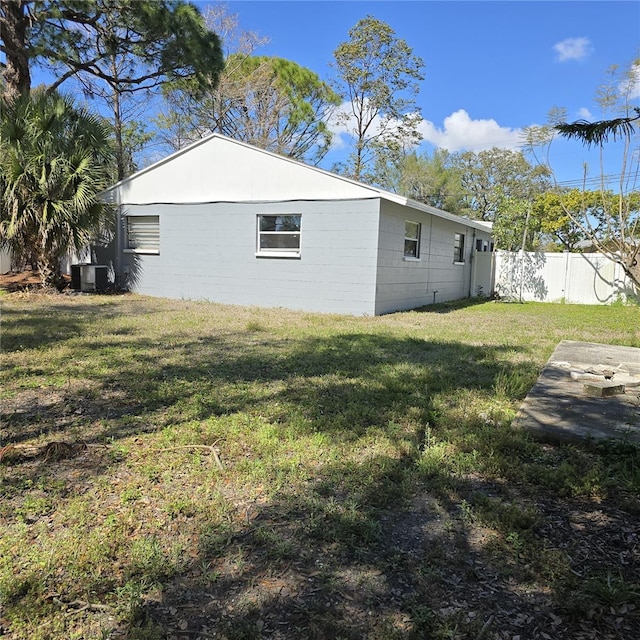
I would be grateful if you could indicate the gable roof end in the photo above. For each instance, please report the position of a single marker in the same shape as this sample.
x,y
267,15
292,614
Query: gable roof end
x,y
204,171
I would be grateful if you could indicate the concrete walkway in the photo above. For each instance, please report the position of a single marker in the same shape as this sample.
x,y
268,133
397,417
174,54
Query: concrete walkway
x,y
578,394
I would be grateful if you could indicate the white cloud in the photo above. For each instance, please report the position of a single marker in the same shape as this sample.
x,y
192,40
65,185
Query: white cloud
x,y
631,85
572,49
635,92
461,132
342,123
338,127
585,114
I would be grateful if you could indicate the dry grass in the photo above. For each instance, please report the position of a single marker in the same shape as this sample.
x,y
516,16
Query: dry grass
x,y
181,469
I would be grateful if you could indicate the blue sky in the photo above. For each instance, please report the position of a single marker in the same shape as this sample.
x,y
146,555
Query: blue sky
x,y
491,68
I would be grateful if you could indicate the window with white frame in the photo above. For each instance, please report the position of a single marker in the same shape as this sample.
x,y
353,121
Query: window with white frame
x,y
458,247
279,235
143,234
411,239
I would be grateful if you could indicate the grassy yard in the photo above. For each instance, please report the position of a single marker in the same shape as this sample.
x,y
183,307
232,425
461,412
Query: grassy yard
x,y
189,470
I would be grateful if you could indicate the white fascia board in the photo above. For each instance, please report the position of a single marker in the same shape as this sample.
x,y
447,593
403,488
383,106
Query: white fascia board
x,y
434,211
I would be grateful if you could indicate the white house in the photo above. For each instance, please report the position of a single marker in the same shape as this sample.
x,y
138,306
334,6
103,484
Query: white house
x,y
224,221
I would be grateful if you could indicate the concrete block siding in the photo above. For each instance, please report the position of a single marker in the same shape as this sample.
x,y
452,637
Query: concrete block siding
x,y
407,283
208,198
208,252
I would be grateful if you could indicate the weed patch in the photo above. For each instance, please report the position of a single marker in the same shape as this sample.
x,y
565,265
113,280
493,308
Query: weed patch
x,y
181,469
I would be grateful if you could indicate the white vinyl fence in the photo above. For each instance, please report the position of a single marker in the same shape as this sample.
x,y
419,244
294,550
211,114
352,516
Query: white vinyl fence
x,y
65,264
5,261
585,278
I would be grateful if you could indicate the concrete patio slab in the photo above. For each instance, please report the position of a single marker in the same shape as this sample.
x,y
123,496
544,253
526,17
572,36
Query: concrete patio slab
x,y
562,405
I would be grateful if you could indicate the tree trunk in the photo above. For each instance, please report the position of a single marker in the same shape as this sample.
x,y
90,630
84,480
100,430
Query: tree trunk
x,y
49,271
116,106
631,267
14,21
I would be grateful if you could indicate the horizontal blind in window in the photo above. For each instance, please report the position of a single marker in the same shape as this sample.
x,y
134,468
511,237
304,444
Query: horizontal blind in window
x,y
143,233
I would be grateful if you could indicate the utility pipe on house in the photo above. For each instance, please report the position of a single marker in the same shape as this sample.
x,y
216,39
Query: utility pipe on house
x,y
522,248
471,262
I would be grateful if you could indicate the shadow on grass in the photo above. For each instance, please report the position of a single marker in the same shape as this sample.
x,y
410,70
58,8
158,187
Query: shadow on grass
x,y
400,543
451,305
331,562
382,550
53,323
342,384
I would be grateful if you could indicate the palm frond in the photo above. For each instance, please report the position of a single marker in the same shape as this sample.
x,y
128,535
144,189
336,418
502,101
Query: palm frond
x,y
597,133
53,162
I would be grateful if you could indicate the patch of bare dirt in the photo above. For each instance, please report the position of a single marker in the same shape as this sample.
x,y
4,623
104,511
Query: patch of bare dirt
x,y
20,281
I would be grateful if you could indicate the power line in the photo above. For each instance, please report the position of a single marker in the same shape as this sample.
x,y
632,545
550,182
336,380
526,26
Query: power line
x,y
597,179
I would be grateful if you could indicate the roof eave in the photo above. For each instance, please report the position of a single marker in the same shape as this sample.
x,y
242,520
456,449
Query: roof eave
x,y
440,213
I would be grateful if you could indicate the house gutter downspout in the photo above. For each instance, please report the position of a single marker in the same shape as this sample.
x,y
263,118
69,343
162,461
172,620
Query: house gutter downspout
x,y
118,247
430,254
471,261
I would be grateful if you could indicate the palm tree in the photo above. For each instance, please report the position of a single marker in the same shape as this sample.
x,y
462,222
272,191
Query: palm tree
x,y
598,132
620,238
54,160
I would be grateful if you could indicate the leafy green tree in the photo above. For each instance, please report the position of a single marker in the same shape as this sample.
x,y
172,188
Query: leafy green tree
x,y
557,210
608,217
112,47
432,179
377,75
136,136
272,103
490,176
159,39
516,228
54,160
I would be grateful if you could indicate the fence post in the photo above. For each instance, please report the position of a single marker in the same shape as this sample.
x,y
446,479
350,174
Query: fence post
x,y
566,285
